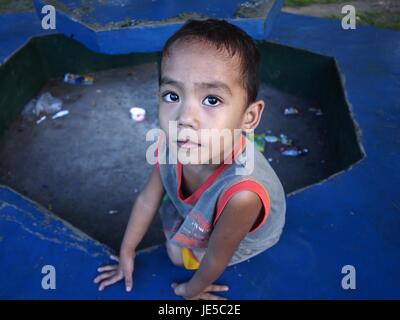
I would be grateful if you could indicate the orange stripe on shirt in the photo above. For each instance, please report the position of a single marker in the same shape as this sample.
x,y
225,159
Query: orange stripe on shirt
x,y
249,185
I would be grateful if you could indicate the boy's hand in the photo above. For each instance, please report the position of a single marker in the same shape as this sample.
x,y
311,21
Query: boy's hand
x,y
180,290
113,273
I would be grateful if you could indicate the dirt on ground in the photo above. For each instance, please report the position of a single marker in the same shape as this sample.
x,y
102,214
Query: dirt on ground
x,y
323,10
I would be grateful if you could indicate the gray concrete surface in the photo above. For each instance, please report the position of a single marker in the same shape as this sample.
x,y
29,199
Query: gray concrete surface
x,y
92,161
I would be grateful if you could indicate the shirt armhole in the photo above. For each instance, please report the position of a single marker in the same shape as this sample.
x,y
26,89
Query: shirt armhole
x,y
249,185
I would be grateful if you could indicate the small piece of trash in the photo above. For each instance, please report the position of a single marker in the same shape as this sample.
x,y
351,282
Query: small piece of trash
x,y
270,159
292,151
271,139
78,79
41,119
285,140
259,140
29,109
316,111
60,114
135,190
291,110
47,104
98,91
112,211
138,114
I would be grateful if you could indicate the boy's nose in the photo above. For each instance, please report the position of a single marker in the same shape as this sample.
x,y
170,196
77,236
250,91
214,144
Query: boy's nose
x,y
188,116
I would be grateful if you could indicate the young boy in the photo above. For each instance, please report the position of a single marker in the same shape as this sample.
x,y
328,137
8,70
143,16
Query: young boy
x,y
213,217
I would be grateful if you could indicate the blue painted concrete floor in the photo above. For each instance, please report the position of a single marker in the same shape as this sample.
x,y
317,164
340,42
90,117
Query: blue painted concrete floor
x,y
352,219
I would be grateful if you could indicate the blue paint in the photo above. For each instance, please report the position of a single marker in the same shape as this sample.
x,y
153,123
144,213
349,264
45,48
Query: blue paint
x,y
16,30
140,38
351,219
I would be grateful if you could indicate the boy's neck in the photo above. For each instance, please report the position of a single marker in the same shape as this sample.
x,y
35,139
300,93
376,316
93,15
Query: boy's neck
x,y
194,175
199,170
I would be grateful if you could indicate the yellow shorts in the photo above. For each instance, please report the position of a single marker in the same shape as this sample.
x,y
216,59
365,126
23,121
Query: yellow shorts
x,y
189,259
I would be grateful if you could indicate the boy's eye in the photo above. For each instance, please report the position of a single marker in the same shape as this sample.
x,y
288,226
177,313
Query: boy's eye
x,y
170,97
211,101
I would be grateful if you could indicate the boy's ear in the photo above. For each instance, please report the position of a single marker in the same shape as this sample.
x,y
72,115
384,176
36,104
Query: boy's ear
x,y
252,115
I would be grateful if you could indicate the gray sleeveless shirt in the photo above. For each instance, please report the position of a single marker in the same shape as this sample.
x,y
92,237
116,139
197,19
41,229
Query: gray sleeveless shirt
x,y
188,222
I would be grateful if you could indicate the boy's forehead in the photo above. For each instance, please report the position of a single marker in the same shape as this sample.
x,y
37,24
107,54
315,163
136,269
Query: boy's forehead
x,y
201,62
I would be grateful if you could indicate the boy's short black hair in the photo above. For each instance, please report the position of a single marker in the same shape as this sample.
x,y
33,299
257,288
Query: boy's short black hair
x,y
224,36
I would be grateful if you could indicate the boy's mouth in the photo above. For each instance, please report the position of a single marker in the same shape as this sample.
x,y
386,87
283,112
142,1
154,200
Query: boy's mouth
x,y
187,144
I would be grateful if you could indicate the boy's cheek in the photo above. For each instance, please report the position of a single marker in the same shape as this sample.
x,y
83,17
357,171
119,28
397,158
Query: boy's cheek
x,y
164,120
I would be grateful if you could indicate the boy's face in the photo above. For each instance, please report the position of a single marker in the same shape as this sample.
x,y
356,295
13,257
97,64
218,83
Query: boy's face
x,y
201,89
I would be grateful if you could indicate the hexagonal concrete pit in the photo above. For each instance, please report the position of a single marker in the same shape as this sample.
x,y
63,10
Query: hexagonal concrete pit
x,y
89,166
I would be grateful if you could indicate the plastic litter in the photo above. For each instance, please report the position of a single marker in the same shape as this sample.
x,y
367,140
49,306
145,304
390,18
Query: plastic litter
x,y
316,111
292,151
285,140
47,104
29,109
112,211
41,119
291,111
60,114
271,139
78,79
138,114
259,140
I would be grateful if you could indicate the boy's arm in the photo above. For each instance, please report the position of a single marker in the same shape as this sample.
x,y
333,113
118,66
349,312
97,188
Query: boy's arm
x,y
236,220
143,212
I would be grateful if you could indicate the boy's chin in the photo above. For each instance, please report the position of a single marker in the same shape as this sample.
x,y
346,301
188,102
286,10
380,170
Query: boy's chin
x,y
193,158
186,157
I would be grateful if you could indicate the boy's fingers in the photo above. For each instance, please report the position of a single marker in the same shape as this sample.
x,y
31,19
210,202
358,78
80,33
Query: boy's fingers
x,y
128,282
115,258
103,276
107,268
217,288
209,296
178,289
111,281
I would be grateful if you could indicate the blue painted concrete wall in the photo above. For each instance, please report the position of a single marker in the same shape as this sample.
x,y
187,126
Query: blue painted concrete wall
x,y
144,38
16,30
